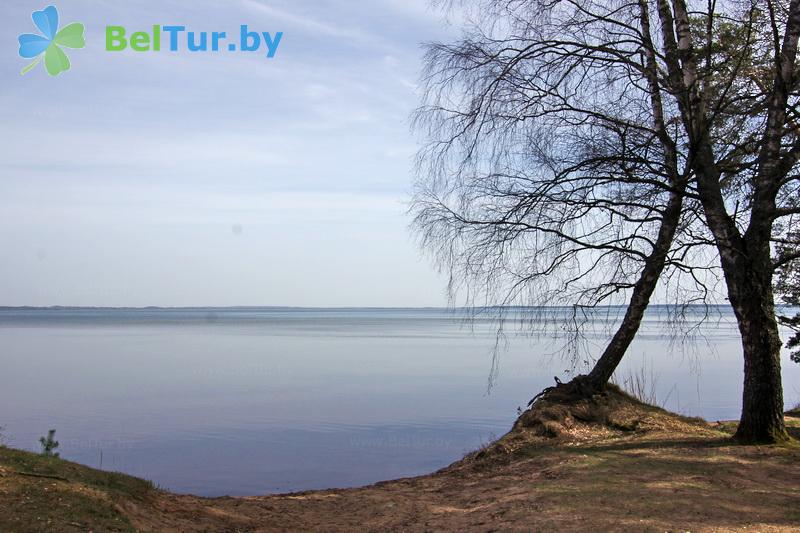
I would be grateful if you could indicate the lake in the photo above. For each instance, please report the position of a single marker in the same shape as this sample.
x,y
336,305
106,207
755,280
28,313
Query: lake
x,y
245,401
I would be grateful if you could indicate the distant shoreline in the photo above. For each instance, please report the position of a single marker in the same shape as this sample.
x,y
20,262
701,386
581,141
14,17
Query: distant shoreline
x,y
326,308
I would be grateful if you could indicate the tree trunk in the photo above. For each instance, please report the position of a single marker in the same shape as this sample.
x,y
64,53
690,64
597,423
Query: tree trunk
x,y
762,397
654,265
749,281
747,264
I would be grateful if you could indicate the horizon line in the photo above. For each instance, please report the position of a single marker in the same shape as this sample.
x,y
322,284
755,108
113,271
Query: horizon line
x,y
345,307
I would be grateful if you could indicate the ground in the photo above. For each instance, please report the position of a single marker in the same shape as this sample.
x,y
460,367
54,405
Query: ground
x,y
607,465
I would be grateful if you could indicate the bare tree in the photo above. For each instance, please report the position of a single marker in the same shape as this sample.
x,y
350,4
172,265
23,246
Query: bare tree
x,y
548,177
766,149
563,161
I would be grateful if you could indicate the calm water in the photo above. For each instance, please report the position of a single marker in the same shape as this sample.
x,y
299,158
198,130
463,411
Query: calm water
x,y
253,401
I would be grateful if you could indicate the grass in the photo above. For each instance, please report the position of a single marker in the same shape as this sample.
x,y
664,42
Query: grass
x,y
642,384
39,493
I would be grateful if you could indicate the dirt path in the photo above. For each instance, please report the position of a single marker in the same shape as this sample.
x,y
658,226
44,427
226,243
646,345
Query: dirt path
x,y
653,484
610,464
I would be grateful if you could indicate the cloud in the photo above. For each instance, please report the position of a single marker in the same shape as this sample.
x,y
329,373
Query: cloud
x,y
313,25
313,145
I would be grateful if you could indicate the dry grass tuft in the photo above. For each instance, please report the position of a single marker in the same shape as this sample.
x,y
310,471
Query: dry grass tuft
x,y
568,414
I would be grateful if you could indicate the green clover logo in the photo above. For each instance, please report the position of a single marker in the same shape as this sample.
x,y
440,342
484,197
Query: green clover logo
x,y
50,42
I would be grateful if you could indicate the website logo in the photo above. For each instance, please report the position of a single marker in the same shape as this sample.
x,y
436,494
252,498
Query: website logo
x,y
48,45
177,38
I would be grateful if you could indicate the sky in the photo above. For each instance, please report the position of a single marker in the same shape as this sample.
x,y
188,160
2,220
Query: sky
x,y
189,179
